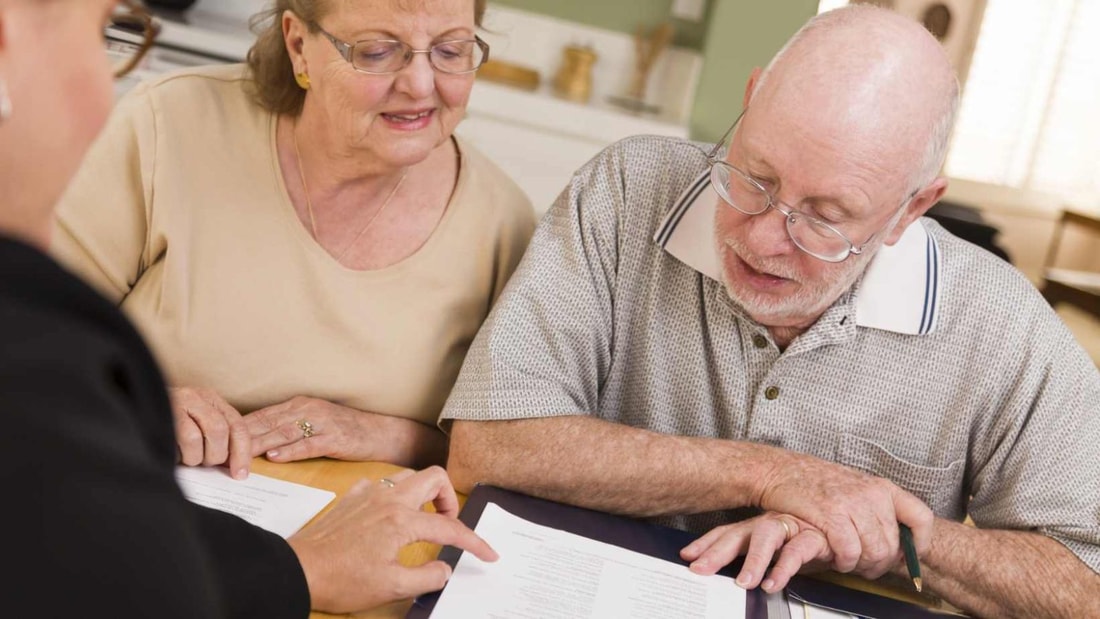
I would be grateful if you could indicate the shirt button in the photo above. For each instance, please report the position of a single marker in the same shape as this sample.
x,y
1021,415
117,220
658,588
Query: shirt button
x,y
759,341
771,392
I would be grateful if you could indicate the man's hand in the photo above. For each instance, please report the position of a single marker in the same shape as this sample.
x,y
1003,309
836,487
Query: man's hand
x,y
350,554
797,543
857,513
209,431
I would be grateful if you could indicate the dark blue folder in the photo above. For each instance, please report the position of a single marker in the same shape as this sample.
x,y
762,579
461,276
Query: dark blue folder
x,y
665,543
854,602
639,536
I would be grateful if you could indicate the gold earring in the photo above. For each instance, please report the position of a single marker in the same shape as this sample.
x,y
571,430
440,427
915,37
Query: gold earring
x,y
5,102
303,80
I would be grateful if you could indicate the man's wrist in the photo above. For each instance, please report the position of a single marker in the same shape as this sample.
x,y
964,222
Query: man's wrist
x,y
757,469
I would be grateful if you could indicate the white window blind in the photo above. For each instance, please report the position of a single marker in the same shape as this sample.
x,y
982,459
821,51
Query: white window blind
x,y
1066,157
1029,109
1030,112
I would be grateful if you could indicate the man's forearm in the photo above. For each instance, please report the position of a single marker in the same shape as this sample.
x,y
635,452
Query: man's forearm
x,y
994,573
612,467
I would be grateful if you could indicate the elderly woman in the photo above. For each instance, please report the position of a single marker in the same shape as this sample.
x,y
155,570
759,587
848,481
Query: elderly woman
x,y
100,520
303,239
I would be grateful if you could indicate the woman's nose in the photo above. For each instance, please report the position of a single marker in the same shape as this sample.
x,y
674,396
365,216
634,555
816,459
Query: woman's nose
x,y
417,79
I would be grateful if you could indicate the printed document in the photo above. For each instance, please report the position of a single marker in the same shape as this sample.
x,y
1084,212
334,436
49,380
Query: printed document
x,y
546,573
279,506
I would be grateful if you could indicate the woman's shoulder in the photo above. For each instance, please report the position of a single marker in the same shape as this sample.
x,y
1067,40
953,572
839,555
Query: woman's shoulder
x,y
490,186
196,91
210,74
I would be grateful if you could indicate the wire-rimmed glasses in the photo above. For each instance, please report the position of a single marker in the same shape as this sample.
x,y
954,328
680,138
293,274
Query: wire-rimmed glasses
x,y
388,56
129,35
746,194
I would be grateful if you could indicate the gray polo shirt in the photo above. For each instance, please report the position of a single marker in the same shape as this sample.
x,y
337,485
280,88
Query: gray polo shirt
x,y
942,369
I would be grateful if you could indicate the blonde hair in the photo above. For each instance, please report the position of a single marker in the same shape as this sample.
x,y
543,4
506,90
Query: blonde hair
x,y
272,71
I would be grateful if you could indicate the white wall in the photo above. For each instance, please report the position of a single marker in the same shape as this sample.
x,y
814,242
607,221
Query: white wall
x,y
966,18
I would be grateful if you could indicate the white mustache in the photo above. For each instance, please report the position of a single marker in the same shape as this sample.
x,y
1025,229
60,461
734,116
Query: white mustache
x,y
762,265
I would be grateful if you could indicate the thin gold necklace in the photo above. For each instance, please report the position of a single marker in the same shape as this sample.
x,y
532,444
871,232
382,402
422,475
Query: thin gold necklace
x,y
309,203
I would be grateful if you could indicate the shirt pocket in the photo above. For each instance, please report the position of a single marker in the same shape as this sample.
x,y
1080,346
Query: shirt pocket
x,y
939,487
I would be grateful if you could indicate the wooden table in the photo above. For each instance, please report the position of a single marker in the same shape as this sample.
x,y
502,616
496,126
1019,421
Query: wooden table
x,y
338,476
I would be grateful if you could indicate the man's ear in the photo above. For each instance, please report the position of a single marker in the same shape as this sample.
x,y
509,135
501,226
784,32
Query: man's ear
x,y
923,200
750,87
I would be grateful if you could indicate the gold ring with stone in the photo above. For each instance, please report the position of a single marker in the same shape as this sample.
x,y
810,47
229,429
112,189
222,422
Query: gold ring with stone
x,y
387,482
306,428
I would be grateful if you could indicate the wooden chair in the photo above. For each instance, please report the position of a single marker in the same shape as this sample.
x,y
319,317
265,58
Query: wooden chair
x,y
1076,287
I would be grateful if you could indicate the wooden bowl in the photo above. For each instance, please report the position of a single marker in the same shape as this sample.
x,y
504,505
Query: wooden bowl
x,y
510,74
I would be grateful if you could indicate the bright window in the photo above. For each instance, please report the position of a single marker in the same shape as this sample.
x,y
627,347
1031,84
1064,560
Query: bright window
x,y
1030,115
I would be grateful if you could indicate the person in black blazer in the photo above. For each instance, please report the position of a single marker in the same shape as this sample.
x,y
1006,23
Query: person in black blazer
x,y
95,524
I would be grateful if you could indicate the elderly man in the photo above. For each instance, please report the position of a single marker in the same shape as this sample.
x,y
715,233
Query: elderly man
x,y
770,328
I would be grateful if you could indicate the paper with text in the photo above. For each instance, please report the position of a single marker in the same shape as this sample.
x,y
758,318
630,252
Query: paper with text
x,y
279,506
545,573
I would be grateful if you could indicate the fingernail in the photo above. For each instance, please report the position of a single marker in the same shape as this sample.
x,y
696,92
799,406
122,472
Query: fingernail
x,y
700,563
274,453
241,474
768,585
744,579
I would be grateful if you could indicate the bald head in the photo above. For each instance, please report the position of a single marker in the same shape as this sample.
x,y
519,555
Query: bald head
x,y
869,77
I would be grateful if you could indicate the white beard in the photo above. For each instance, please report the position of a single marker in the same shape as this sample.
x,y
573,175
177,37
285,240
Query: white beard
x,y
800,308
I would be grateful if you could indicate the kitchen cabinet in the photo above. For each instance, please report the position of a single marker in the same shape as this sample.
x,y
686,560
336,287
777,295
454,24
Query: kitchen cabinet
x,y
540,140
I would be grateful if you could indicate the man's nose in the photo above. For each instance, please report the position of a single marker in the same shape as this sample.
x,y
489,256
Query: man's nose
x,y
767,234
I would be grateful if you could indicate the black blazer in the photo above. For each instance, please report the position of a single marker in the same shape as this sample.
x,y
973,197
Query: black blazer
x,y
93,522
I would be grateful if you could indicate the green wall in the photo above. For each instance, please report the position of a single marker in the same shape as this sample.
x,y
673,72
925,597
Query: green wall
x,y
620,15
741,35
734,37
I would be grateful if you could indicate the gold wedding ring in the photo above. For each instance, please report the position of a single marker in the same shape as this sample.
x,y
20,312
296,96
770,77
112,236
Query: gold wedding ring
x,y
786,529
306,428
387,482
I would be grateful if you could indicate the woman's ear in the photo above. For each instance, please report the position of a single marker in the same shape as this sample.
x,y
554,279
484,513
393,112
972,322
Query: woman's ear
x,y
294,33
5,97
5,23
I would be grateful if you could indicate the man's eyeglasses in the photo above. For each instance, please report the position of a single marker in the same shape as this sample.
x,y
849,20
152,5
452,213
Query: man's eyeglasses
x,y
746,194
386,56
130,32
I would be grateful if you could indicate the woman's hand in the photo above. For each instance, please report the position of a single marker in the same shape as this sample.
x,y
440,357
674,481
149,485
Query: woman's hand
x,y
304,427
760,539
209,431
349,555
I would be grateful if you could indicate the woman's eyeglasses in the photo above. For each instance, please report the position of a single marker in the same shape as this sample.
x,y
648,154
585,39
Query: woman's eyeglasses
x,y
386,56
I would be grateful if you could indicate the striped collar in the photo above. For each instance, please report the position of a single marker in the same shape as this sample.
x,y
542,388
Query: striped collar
x,y
900,290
